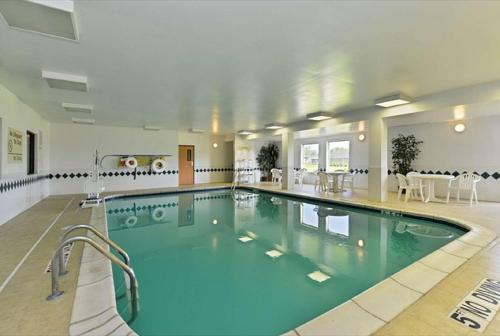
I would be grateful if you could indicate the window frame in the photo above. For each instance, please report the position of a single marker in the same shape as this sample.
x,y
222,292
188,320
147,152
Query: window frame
x,y
327,156
302,155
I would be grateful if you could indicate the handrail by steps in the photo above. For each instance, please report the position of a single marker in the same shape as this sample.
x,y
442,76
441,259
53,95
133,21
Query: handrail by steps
x,y
56,292
62,267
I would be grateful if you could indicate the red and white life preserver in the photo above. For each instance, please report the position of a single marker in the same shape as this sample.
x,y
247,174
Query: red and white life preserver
x,y
131,162
159,165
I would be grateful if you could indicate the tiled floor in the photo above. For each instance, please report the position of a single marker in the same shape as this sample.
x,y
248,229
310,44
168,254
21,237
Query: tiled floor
x,y
24,310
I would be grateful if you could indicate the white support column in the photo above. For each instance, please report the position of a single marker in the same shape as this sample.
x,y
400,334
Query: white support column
x,y
377,169
287,144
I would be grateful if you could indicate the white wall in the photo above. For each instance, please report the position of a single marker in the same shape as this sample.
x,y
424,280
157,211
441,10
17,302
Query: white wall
x,y
18,191
72,148
475,150
358,155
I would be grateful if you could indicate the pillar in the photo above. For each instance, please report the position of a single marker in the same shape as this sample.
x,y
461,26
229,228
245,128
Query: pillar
x,y
377,167
287,160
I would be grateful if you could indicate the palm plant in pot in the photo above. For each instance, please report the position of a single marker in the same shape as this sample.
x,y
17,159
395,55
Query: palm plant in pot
x,y
405,150
266,159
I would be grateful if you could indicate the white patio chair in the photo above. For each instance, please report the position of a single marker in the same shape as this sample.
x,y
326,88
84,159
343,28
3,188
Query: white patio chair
x,y
299,176
316,180
410,186
323,182
464,182
347,182
276,176
416,185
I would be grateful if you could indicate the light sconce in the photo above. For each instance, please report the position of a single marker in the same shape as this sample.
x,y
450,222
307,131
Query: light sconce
x,y
459,128
215,145
361,137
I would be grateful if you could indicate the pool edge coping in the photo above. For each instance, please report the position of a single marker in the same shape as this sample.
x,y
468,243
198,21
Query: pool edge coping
x,y
370,304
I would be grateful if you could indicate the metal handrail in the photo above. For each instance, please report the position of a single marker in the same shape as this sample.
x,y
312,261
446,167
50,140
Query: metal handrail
x,y
56,292
62,267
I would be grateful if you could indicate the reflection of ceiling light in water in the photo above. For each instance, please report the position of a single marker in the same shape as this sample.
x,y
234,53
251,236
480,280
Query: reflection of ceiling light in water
x,y
361,243
459,128
252,234
245,239
214,222
318,276
274,254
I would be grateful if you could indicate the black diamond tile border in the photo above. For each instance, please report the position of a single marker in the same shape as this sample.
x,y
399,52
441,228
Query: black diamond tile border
x,y
484,175
6,186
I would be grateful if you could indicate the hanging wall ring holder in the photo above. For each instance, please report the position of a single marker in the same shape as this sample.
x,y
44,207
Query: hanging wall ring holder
x,y
153,158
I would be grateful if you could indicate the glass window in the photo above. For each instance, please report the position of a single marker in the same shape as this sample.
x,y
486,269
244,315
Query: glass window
x,y
309,157
337,156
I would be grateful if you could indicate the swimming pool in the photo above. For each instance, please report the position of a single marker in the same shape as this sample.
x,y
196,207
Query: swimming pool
x,y
255,263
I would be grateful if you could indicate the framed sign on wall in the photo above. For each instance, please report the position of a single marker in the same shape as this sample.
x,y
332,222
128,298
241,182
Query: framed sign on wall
x,y
14,146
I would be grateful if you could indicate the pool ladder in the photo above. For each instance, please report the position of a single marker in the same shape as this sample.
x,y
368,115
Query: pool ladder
x,y
58,268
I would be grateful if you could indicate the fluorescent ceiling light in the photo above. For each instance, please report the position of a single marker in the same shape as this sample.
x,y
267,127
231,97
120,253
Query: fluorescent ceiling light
x,y
245,132
319,116
151,128
79,108
274,126
64,81
197,130
48,17
393,100
83,121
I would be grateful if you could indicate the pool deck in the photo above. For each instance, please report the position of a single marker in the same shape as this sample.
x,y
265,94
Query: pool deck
x,y
398,306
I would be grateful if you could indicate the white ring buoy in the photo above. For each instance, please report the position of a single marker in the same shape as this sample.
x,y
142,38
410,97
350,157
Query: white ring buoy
x,y
131,162
159,166
130,221
158,214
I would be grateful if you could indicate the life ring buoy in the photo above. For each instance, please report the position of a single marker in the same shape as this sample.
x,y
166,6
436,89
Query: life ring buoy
x,y
159,165
158,214
131,162
131,221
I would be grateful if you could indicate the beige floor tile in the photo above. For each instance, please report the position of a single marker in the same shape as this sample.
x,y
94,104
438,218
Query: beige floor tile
x,y
419,277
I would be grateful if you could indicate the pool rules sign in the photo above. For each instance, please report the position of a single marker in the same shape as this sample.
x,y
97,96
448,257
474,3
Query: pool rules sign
x,y
14,146
479,307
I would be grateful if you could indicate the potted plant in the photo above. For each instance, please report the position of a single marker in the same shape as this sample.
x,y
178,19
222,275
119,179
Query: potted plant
x,y
405,150
266,159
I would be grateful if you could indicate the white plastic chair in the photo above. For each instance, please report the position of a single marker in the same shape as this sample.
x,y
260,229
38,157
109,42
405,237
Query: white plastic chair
x,y
410,186
316,180
464,182
323,182
347,182
276,176
299,176
416,185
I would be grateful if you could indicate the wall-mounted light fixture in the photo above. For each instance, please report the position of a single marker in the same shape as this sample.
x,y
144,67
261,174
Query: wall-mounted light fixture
x,y
361,137
393,100
459,128
215,145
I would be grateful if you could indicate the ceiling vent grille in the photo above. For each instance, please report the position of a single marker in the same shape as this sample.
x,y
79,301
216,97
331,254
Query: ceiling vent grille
x,y
78,108
63,81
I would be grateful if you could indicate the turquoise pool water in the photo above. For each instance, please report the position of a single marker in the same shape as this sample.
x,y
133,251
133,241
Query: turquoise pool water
x,y
196,277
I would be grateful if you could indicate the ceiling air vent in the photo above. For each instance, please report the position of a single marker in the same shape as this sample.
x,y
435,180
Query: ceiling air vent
x,y
48,17
63,81
83,121
78,108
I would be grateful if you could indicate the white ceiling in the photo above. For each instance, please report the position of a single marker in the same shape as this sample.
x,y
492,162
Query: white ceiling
x,y
224,66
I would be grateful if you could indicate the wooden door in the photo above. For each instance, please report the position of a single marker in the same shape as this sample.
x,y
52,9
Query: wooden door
x,y
186,164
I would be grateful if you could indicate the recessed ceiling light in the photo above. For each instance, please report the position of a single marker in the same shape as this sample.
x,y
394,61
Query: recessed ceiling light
x,y
319,116
245,132
64,81
274,126
78,108
393,100
197,130
47,17
459,128
151,128
83,121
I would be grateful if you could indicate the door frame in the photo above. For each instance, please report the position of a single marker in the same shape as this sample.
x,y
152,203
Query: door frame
x,y
192,147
